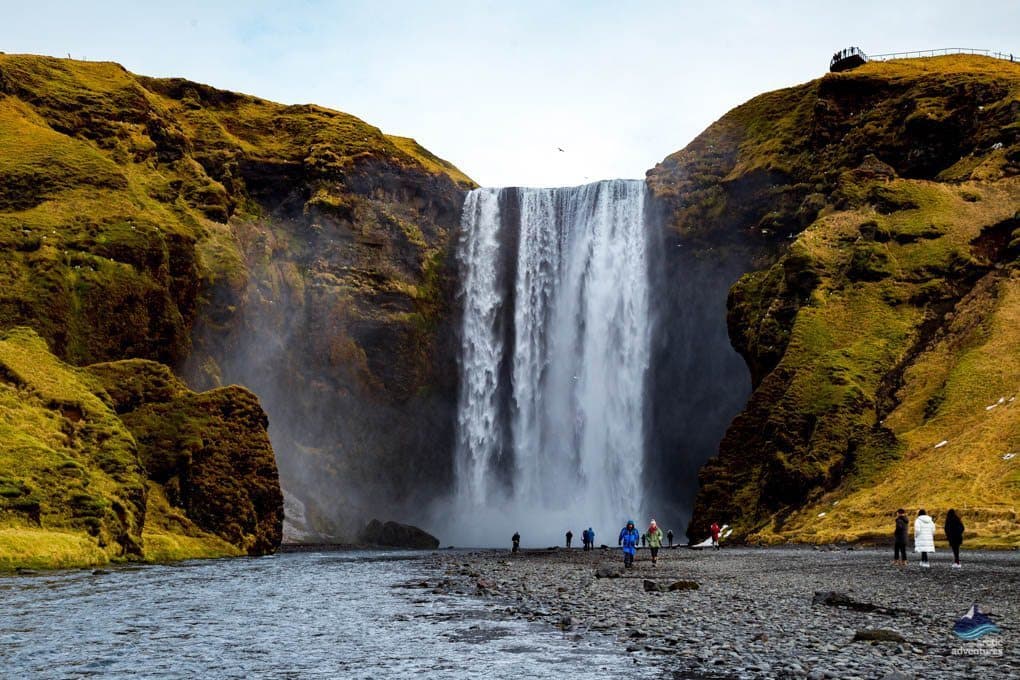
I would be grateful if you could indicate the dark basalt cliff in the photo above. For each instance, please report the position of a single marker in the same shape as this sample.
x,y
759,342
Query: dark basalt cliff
x,y
875,213
292,249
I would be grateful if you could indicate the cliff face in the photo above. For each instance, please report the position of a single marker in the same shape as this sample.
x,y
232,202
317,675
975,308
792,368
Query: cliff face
x,y
878,209
119,461
293,249
341,321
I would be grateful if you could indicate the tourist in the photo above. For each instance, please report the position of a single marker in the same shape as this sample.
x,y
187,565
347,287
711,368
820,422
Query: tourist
x,y
715,535
954,533
654,535
516,541
924,537
570,536
643,537
669,537
629,537
591,538
900,538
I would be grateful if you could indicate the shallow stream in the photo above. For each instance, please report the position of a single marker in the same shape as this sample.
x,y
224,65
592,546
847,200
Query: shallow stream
x,y
295,615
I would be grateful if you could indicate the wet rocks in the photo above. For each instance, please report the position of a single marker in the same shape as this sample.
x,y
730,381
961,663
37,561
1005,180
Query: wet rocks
x,y
394,535
878,635
608,571
683,585
751,615
833,598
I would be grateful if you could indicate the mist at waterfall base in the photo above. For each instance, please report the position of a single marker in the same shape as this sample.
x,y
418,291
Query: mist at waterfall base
x,y
596,370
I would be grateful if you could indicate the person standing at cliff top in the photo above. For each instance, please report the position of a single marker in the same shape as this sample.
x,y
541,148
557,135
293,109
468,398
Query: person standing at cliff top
x,y
654,536
591,538
715,534
924,537
570,537
669,537
516,540
629,537
900,538
954,533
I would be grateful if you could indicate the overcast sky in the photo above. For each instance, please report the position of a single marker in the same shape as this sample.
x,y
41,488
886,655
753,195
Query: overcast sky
x,y
498,87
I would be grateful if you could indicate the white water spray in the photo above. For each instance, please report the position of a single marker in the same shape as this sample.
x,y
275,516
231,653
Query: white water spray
x,y
555,347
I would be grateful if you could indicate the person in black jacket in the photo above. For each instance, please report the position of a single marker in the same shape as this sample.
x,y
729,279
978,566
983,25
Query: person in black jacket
x,y
954,534
900,538
516,540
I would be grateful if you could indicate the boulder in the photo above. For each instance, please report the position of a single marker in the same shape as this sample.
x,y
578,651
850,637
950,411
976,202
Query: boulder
x,y
833,598
395,535
684,585
878,635
608,571
653,587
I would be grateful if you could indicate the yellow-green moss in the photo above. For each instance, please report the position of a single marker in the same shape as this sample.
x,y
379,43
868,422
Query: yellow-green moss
x,y
73,491
28,548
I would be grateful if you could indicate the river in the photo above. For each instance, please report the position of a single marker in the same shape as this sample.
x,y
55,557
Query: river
x,y
292,615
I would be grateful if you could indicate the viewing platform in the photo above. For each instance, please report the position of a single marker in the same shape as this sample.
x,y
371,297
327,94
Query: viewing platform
x,y
852,57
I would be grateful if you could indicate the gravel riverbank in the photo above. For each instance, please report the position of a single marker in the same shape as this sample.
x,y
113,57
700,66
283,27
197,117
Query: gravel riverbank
x,y
755,612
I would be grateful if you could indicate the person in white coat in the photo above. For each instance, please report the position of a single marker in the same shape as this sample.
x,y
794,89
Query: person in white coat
x,y
924,537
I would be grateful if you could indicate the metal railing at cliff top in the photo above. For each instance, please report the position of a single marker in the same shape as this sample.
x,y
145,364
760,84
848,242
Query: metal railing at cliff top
x,y
938,53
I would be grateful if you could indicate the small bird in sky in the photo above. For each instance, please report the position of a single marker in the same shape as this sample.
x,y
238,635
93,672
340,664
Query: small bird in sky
x,y
560,150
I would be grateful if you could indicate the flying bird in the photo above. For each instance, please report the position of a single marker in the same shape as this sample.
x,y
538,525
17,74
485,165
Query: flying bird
x,y
560,150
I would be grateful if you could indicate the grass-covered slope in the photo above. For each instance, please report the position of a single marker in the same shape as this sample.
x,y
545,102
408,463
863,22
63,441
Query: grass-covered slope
x,y
883,203
82,481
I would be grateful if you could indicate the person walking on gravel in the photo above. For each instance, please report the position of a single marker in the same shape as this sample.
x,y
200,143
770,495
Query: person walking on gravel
x,y
629,538
591,538
516,540
570,537
954,534
900,538
924,537
669,537
654,538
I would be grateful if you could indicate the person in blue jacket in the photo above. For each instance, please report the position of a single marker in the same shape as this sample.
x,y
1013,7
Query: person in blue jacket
x,y
591,538
629,538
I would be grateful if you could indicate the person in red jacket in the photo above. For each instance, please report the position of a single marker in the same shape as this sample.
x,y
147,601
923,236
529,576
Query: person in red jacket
x,y
715,535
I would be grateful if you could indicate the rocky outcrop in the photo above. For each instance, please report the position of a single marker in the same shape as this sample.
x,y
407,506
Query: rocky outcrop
x,y
85,469
394,535
209,451
876,210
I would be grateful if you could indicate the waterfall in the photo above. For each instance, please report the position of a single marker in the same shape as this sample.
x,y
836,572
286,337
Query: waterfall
x,y
555,347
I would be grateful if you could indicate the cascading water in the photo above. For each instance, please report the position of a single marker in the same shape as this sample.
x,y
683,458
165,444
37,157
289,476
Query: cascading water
x,y
555,347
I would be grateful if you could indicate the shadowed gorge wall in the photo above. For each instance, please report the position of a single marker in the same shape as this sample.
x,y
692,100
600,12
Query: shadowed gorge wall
x,y
697,382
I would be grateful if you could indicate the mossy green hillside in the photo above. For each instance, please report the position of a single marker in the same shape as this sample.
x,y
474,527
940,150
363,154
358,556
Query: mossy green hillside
x,y
116,190
79,482
882,207
67,463
168,220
